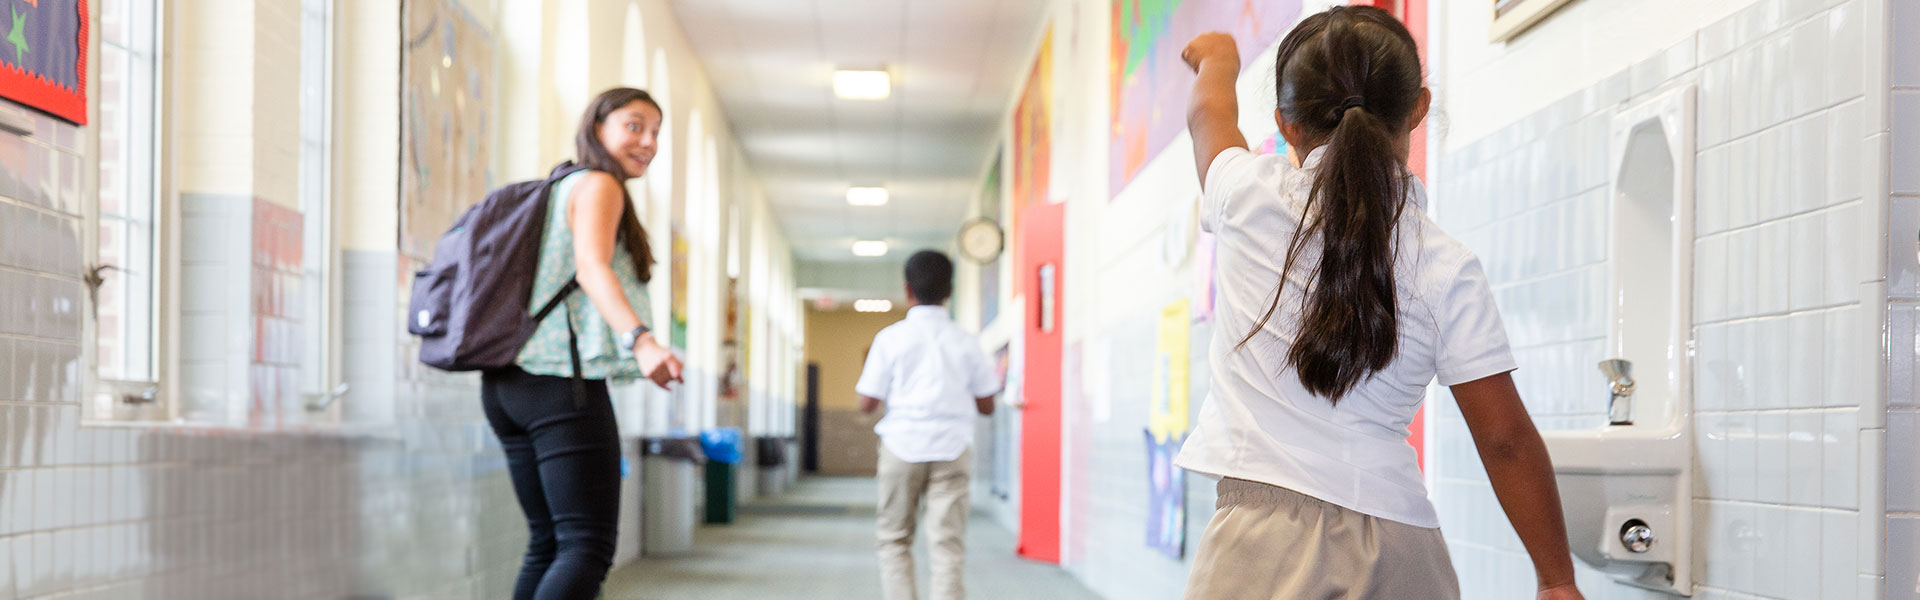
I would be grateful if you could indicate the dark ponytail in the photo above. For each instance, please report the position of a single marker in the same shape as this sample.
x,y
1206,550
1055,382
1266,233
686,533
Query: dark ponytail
x,y
593,155
1348,78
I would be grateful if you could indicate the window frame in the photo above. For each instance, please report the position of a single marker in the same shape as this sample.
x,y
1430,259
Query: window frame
x,y
133,398
322,379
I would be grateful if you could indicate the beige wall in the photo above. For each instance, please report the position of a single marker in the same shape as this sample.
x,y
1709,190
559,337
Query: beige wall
x,y
838,340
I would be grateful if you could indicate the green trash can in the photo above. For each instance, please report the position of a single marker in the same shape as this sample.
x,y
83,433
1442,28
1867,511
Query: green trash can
x,y
722,446
721,507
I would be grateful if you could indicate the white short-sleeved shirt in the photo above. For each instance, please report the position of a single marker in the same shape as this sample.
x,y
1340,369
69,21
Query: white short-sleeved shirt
x,y
929,372
1259,423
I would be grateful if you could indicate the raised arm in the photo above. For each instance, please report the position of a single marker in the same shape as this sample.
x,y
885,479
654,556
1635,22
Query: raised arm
x,y
1522,476
1213,112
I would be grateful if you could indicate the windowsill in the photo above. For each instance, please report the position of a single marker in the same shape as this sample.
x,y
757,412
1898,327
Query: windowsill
x,y
389,433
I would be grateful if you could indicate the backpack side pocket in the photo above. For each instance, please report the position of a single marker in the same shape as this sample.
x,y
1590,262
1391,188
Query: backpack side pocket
x,y
429,307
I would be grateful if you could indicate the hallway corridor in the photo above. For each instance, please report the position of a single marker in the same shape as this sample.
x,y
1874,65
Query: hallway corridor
x,y
817,542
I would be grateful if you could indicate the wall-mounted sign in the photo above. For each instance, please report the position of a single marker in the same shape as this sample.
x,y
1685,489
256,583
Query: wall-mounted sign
x,y
43,56
1511,17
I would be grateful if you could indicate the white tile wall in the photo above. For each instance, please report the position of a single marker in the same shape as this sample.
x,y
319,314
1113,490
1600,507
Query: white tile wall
x,y
91,511
1781,340
1106,519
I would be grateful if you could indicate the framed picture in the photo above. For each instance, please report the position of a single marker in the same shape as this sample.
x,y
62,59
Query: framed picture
x,y
1512,17
43,56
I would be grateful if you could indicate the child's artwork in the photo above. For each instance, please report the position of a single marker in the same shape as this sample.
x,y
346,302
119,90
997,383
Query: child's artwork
x,y
43,58
1167,427
677,265
1150,83
1032,143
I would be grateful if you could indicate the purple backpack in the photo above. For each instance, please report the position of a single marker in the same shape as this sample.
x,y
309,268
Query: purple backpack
x,y
469,306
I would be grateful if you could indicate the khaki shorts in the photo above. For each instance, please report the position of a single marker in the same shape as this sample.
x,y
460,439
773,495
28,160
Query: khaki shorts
x,y
1272,543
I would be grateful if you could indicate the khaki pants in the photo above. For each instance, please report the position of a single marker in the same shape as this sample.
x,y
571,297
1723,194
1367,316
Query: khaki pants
x,y
942,488
1272,543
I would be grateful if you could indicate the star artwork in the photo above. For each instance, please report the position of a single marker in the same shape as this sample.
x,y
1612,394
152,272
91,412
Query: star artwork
x,y
19,36
43,56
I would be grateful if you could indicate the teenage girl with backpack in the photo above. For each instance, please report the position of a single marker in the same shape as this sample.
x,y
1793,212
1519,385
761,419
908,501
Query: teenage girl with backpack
x,y
1343,302
561,441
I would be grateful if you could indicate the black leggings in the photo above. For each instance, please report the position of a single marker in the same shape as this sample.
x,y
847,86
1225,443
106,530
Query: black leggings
x,y
564,456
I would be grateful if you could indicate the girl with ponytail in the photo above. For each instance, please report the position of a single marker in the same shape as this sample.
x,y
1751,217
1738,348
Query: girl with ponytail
x,y
1340,301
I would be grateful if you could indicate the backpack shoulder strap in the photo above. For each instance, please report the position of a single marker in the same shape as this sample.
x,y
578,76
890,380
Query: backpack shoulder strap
x,y
554,302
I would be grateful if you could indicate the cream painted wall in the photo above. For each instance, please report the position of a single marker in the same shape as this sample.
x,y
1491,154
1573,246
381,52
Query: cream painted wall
x,y
212,43
276,102
240,118
367,123
838,341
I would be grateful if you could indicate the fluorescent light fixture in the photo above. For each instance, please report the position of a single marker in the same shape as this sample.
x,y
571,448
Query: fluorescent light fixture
x,y
869,248
871,305
862,85
867,196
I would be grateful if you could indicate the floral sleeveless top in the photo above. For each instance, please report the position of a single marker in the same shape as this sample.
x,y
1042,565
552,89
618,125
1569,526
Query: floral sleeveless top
x,y
600,353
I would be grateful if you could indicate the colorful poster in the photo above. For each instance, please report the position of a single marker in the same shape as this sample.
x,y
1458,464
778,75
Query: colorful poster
x,y
43,56
1032,142
446,126
1033,131
1150,83
1167,427
677,282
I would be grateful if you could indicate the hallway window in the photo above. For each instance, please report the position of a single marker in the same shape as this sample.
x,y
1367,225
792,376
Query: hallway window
x,y
319,379
125,268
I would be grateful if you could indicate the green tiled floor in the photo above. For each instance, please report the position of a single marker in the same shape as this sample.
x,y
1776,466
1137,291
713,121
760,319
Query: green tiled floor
x,y
817,542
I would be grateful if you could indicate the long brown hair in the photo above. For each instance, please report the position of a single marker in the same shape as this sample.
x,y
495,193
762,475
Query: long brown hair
x,y
591,154
1348,77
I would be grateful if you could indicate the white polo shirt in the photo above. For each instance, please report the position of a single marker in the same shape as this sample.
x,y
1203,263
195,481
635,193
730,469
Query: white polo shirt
x,y
1258,422
929,372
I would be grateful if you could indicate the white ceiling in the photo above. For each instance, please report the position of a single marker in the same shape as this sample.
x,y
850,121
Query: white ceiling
x,y
955,64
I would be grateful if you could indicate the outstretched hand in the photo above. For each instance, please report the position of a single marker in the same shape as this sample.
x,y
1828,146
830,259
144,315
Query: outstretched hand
x,y
1211,47
659,363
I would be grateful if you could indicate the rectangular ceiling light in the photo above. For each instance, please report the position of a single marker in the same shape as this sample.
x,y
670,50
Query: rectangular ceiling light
x,y
869,248
872,305
862,85
867,196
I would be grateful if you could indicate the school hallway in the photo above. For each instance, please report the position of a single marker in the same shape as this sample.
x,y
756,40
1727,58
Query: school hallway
x,y
222,262
817,541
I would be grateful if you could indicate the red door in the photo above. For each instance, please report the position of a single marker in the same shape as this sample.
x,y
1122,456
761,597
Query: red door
x,y
1038,257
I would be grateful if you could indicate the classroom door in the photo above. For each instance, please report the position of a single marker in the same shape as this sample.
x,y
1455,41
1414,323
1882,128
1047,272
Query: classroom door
x,y
1039,258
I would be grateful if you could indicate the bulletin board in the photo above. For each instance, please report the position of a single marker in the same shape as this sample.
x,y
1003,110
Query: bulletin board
x,y
43,56
446,121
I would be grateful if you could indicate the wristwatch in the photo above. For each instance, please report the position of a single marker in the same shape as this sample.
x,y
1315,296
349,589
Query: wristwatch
x,y
628,339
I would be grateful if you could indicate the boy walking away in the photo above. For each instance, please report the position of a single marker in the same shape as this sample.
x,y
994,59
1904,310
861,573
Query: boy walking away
x,y
933,378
